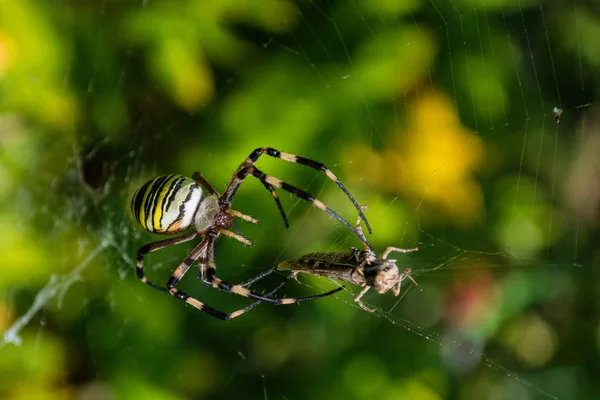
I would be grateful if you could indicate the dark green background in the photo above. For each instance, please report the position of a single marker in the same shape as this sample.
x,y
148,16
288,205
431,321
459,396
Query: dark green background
x,y
437,115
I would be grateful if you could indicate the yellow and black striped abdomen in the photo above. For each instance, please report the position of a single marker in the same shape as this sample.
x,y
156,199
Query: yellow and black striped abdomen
x,y
166,204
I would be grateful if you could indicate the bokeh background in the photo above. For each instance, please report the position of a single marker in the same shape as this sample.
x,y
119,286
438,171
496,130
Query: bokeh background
x,y
438,115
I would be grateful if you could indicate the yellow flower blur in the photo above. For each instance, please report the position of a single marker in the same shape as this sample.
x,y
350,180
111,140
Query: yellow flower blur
x,y
431,163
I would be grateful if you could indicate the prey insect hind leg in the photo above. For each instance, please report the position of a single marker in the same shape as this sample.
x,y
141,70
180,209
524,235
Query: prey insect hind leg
x,y
390,249
358,300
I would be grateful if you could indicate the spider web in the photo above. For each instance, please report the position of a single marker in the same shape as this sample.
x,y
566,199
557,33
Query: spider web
x,y
470,106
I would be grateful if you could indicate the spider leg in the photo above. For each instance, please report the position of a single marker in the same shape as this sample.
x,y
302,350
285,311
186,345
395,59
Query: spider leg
x,y
311,164
151,247
253,157
208,264
237,237
202,181
258,278
180,272
209,310
361,234
293,275
243,216
253,171
271,189
389,249
251,306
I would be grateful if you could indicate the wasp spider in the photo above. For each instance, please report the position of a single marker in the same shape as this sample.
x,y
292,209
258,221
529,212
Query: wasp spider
x,y
171,204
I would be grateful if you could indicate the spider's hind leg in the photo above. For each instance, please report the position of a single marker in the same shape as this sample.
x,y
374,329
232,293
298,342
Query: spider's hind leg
x,y
214,312
154,246
207,264
180,272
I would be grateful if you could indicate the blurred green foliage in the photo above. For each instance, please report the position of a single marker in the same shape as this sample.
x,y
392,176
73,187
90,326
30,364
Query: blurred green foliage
x,y
437,115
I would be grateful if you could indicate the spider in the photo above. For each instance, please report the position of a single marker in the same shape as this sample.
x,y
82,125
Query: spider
x,y
359,267
171,204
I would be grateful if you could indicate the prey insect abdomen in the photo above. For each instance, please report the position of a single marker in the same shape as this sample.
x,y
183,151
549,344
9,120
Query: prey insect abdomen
x,y
330,265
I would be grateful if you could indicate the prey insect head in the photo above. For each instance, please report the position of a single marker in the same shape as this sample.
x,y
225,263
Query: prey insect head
x,y
384,276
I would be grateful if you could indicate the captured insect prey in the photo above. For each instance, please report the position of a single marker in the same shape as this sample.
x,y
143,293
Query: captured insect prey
x,y
359,267
171,204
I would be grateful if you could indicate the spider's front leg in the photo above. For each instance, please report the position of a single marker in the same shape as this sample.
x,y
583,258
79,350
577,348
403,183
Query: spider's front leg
x,y
202,181
278,183
270,183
